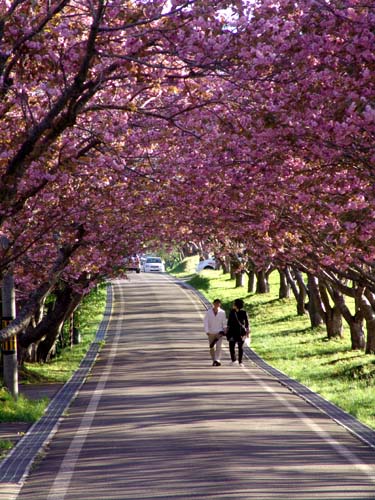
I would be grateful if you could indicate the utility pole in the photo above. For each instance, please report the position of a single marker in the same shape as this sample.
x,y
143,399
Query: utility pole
x,y
9,346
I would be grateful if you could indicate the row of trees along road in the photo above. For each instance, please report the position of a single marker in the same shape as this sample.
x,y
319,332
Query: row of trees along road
x,y
135,123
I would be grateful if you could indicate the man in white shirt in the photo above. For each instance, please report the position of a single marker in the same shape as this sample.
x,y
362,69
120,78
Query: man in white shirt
x,y
215,325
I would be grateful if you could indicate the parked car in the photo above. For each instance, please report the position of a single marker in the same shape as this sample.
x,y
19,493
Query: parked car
x,y
206,264
154,264
133,263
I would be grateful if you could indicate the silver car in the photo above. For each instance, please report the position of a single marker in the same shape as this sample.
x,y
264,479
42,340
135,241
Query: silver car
x,y
154,264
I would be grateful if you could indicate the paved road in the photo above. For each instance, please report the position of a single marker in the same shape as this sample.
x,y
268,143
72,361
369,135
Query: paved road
x,y
156,421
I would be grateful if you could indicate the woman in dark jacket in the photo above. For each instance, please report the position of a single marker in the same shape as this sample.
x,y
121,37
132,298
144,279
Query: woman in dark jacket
x,y
238,330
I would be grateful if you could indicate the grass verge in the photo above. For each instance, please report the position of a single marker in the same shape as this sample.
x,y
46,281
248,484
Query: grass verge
x,y
287,342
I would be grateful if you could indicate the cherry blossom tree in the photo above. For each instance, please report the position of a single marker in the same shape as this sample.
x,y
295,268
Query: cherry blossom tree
x,y
235,124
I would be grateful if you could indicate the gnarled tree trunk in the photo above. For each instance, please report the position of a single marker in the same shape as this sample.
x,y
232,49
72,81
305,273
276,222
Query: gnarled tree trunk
x,y
368,308
262,282
330,313
251,281
47,331
355,321
295,280
284,289
314,306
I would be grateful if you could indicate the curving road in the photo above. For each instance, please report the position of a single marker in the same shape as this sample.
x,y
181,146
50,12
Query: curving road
x,y
156,421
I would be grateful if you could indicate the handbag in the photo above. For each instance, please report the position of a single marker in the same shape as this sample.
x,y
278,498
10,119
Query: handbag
x,y
243,327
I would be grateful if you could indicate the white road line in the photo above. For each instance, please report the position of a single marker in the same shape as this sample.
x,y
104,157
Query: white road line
x,y
342,450
10,491
62,481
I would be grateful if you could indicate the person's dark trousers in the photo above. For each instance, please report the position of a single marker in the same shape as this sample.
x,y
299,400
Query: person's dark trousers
x,y
232,345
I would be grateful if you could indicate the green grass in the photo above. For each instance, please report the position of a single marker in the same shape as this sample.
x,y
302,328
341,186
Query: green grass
x,y
185,268
286,341
22,410
5,446
60,369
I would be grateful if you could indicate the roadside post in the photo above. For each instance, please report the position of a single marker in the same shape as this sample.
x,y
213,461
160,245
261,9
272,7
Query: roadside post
x,y
9,346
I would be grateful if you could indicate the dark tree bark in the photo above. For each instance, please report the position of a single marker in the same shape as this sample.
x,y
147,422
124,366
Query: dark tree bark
x,y
314,306
262,282
299,289
332,314
232,269
235,265
284,290
240,279
368,308
355,321
48,330
226,265
251,281
250,272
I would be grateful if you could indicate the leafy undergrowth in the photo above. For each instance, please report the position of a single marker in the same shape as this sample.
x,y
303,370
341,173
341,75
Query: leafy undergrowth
x,y
287,342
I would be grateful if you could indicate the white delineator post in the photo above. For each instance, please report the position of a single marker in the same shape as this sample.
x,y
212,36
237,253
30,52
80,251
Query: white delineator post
x,y
9,346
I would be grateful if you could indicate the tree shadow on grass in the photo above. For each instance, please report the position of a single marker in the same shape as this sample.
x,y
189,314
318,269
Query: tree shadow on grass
x,y
291,331
200,282
27,376
335,361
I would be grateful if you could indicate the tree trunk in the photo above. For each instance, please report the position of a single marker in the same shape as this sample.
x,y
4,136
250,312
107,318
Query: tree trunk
x,y
240,279
284,290
355,321
367,305
227,264
314,306
262,282
234,266
370,341
251,281
232,270
331,313
298,288
357,334
47,331
334,322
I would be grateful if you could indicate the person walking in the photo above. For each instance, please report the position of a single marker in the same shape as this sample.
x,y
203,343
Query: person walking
x,y
215,322
238,329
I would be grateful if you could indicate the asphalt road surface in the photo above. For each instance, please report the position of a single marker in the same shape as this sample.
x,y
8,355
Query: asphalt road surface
x,y
156,421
